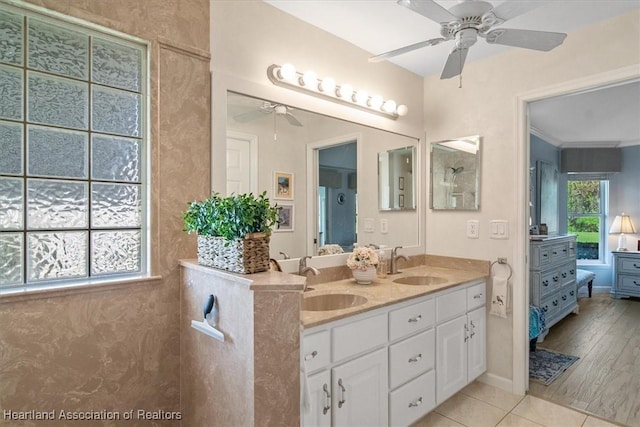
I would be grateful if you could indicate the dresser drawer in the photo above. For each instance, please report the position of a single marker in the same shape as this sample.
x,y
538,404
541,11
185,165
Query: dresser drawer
x,y
451,305
629,265
413,400
550,305
413,318
411,357
549,283
568,296
629,283
476,296
358,336
560,252
316,350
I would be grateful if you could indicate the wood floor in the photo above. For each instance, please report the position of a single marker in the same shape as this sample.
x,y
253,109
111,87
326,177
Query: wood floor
x,y
606,379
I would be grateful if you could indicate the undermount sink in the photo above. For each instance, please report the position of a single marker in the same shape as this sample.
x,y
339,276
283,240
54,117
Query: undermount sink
x,y
420,280
332,302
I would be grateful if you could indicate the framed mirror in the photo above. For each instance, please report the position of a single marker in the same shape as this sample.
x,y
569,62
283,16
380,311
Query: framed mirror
x,y
455,174
396,179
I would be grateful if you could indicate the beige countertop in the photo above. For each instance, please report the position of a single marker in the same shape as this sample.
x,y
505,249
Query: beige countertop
x,y
383,291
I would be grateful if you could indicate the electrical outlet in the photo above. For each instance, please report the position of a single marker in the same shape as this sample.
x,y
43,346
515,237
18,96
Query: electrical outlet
x,y
473,229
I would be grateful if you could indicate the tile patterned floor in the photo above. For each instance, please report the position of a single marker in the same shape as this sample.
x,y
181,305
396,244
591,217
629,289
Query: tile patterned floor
x,y
480,405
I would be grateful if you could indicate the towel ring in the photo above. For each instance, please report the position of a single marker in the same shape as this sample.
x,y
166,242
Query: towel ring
x,y
503,261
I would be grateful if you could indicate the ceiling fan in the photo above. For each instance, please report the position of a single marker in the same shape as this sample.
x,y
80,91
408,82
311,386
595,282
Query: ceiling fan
x,y
470,19
269,108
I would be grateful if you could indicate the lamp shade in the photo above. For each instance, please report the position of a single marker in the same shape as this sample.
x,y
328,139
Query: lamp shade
x,y
622,225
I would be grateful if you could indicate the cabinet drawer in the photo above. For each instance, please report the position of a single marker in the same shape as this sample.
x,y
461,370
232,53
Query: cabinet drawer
x,y
568,296
410,319
629,265
451,305
567,273
413,400
629,283
559,252
411,357
359,336
476,296
315,350
549,283
550,305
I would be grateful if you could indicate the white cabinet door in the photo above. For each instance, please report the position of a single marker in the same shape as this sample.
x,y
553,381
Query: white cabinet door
x,y
477,343
451,362
320,401
360,391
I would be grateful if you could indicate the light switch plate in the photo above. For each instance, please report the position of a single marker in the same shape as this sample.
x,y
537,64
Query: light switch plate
x,y
384,226
499,229
473,229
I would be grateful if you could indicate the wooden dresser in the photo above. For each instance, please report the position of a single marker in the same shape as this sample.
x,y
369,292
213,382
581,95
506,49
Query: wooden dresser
x,y
552,276
626,274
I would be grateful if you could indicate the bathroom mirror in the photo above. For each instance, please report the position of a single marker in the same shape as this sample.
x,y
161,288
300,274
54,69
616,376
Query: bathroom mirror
x,y
267,139
396,179
455,174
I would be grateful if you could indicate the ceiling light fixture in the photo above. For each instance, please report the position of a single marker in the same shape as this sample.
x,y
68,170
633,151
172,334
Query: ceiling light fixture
x,y
287,76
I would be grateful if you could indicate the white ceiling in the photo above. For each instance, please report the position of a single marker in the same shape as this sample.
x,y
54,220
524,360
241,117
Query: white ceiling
x,y
604,118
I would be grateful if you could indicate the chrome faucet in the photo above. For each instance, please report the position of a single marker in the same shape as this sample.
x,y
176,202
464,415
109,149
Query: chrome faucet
x,y
393,262
303,269
285,255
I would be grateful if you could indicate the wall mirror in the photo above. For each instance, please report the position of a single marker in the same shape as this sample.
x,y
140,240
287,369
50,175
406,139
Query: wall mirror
x,y
396,179
455,174
267,140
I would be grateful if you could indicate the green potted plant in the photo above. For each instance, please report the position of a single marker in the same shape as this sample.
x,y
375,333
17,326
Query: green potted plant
x,y
233,232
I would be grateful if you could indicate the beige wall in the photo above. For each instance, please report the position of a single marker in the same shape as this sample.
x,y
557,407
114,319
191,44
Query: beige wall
x,y
487,105
119,349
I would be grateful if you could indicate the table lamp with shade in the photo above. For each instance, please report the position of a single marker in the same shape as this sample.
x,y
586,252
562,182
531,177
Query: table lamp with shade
x,y
622,225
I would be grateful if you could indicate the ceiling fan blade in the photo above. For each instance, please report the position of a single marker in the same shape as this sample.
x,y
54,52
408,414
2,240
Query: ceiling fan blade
x,y
511,9
250,115
429,9
528,39
292,119
405,49
455,63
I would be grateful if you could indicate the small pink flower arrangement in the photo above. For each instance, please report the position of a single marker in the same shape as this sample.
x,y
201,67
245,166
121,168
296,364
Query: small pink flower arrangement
x,y
362,257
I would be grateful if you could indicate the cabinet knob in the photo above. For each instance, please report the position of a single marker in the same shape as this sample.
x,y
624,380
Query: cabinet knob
x,y
415,319
416,402
310,356
415,358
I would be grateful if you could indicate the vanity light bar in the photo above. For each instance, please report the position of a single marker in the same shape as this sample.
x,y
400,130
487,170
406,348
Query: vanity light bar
x,y
308,82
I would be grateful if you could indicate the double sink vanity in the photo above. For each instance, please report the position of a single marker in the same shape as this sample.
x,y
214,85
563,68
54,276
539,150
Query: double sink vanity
x,y
380,354
389,352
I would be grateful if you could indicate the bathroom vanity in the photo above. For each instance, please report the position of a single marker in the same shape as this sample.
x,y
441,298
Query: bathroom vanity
x,y
396,350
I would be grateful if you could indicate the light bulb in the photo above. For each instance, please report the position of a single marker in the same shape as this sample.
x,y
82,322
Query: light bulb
x,y
327,85
402,110
309,79
361,97
375,102
287,72
345,91
389,106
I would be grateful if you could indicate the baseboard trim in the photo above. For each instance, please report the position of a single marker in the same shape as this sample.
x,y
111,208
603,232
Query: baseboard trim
x,y
503,383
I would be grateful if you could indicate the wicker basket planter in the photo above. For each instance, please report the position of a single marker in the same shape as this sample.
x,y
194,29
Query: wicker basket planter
x,y
248,255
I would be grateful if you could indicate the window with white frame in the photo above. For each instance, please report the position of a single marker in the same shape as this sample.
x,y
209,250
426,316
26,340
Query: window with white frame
x,y
587,201
73,147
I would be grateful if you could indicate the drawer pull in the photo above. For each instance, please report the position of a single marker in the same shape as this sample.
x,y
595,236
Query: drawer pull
x,y
564,250
572,271
466,331
636,283
545,255
545,308
555,253
555,303
343,392
545,283
327,396
564,297
555,278
415,319
571,293
636,265
477,296
415,358
564,275
473,328
311,356
417,402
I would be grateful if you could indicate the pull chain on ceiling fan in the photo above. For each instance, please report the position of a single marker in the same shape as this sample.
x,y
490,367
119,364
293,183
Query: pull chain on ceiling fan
x,y
470,19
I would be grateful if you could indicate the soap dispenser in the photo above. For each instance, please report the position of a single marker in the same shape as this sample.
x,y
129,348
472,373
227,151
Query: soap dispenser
x,y
382,265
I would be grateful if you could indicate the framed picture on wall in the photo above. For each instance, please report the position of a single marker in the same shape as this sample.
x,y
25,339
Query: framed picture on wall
x,y
283,185
285,218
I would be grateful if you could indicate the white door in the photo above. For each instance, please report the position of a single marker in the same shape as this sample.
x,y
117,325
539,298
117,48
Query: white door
x,y
241,163
451,362
320,392
360,391
477,343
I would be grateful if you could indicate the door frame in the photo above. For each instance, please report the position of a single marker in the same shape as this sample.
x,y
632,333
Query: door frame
x,y
312,179
520,384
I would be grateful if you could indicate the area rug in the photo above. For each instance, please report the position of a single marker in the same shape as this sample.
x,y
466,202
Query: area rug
x,y
545,366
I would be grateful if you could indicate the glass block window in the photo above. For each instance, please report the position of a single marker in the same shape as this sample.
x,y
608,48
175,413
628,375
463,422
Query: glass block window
x,y
72,152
